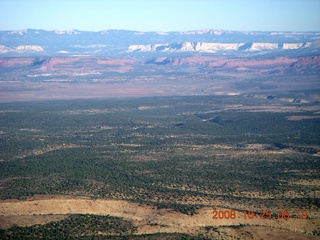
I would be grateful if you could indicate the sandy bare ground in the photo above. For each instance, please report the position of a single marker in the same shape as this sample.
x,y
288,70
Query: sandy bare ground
x,y
297,118
148,219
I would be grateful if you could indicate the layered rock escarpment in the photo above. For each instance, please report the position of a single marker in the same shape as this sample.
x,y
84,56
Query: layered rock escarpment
x,y
216,47
71,65
21,49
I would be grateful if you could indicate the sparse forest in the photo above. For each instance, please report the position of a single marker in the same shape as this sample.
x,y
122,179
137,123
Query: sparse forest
x,y
177,152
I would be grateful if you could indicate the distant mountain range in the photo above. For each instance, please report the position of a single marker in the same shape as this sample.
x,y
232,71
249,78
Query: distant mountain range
x,y
113,43
38,64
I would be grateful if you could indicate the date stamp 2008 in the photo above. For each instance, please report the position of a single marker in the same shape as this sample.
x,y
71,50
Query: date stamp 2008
x,y
264,214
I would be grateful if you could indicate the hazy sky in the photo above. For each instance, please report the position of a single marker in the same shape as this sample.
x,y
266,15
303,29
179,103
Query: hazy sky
x,y
161,15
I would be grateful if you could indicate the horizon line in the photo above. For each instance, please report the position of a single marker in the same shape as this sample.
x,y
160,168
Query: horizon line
x,y
155,31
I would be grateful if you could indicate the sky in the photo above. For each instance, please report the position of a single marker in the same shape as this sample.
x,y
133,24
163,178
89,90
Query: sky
x,y
161,15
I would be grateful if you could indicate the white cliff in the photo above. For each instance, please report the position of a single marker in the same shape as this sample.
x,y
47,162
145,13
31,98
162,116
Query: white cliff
x,y
263,46
29,48
216,47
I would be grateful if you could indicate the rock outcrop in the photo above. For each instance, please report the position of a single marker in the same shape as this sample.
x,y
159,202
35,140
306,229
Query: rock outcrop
x,y
29,48
21,49
216,47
